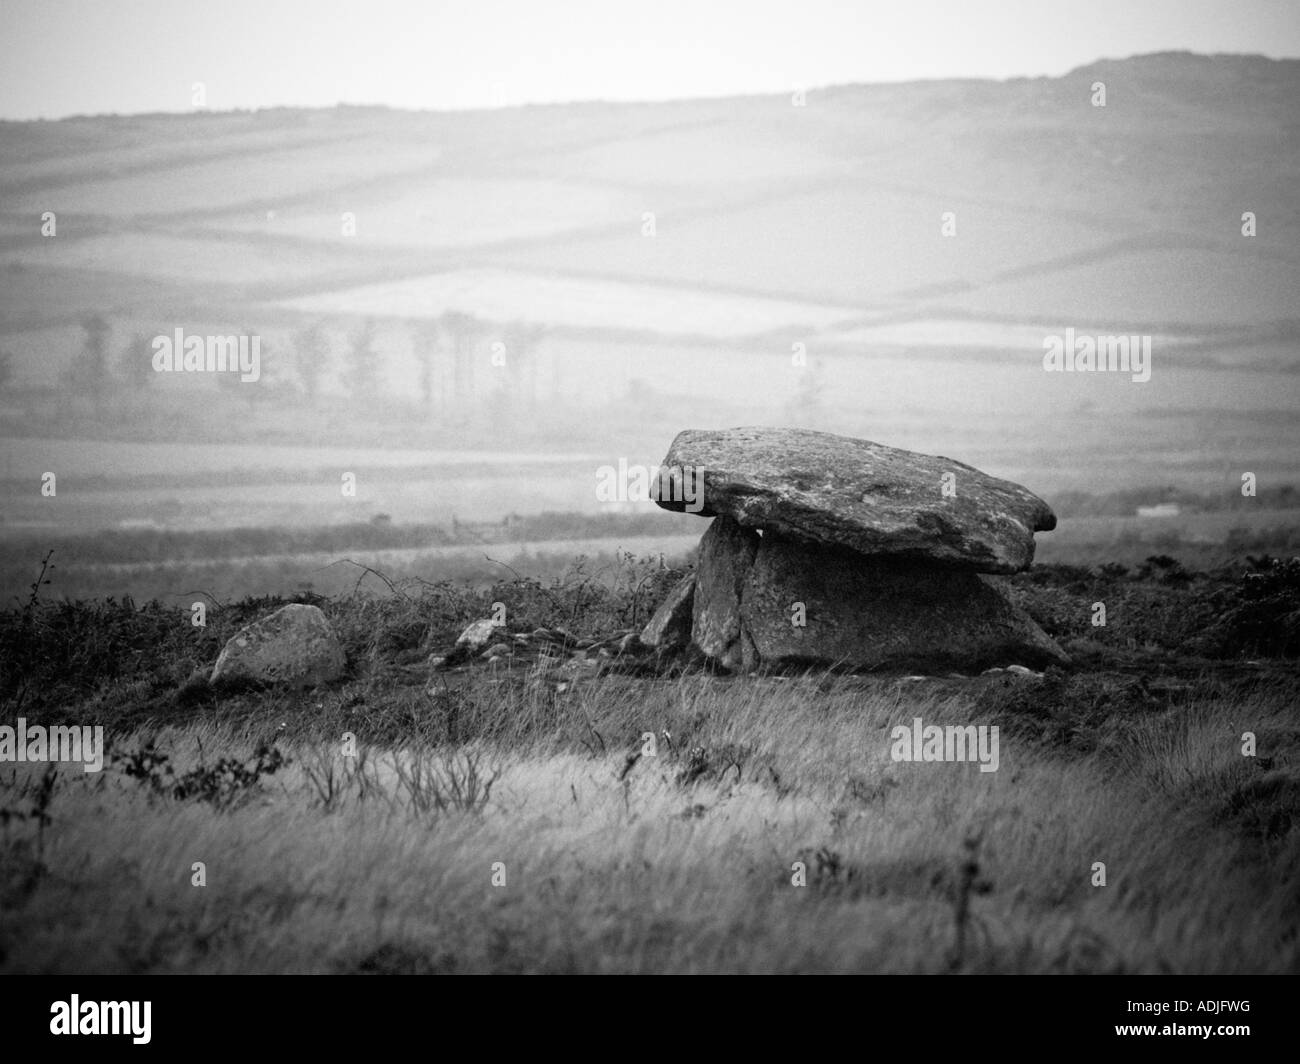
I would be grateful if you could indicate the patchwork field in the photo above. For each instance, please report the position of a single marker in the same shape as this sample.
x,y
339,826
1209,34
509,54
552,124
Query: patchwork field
x,y
798,273
579,303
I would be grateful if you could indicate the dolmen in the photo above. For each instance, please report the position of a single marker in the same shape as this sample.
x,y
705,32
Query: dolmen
x,y
830,551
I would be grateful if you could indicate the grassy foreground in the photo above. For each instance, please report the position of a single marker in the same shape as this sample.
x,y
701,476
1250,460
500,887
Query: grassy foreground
x,y
504,820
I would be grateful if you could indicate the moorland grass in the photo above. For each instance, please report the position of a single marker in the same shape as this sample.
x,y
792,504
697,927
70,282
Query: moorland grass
x,y
610,858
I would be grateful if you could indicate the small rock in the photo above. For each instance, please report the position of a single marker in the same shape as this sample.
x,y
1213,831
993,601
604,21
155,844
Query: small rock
x,y
295,645
1020,670
496,650
478,634
556,636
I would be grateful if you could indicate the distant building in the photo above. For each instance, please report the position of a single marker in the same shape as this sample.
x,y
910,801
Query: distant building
x,y
1164,509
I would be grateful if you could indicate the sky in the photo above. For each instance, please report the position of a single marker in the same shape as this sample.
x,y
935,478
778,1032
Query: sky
x,y
63,57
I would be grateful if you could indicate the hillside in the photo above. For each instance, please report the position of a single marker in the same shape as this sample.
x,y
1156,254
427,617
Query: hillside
x,y
780,232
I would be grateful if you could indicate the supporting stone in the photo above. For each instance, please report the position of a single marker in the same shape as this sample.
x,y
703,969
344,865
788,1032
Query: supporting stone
x,y
670,627
868,613
726,553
